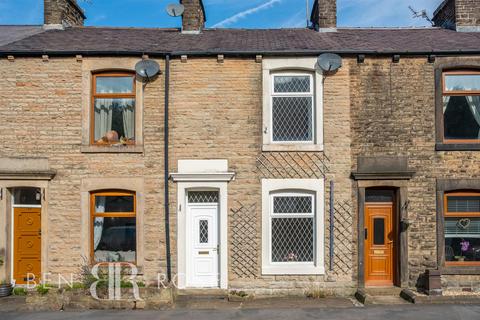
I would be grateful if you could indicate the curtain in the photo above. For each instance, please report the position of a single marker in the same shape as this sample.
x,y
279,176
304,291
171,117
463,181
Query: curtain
x,y
446,100
128,112
474,104
98,223
103,117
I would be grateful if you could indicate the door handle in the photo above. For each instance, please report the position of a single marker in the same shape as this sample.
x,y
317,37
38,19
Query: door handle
x,y
366,234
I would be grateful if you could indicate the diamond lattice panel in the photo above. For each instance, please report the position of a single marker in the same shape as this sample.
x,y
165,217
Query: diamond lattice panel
x,y
292,118
202,196
290,84
293,204
292,239
203,231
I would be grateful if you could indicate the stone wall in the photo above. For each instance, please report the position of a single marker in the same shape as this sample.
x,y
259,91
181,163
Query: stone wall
x,y
41,114
217,114
393,114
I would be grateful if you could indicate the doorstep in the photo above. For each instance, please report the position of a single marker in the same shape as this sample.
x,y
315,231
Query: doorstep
x,y
380,296
421,298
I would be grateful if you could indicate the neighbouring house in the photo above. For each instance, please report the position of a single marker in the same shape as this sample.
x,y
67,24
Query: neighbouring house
x,y
243,165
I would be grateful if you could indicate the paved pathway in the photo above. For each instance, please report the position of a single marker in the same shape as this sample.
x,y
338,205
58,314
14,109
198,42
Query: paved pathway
x,y
394,312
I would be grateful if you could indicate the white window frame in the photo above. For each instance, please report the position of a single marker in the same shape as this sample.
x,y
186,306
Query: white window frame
x,y
274,94
293,67
297,187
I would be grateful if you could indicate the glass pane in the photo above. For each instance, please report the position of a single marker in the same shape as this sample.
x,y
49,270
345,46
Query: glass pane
x,y
292,84
28,196
292,204
463,203
292,118
114,84
203,231
203,196
461,117
462,82
379,231
292,240
114,204
462,239
114,120
373,195
114,239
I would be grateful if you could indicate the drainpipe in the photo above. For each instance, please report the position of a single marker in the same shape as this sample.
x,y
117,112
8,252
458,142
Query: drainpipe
x,y
167,202
332,223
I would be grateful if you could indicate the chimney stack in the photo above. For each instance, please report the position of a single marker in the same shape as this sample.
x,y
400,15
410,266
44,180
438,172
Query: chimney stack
x,y
193,18
324,15
63,13
459,15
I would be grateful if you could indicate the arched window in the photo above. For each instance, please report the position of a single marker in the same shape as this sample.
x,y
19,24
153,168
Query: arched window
x,y
113,226
113,108
461,106
462,228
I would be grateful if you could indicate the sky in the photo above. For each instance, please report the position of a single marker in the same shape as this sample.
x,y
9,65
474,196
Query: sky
x,y
228,13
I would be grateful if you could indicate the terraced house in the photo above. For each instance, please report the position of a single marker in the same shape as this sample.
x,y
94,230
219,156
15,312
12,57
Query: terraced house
x,y
243,164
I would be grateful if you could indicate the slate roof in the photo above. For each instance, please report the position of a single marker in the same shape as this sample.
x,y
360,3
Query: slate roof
x,y
9,34
98,41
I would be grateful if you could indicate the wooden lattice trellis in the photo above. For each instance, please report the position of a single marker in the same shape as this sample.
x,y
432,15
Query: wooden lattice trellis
x,y
291,165
244,246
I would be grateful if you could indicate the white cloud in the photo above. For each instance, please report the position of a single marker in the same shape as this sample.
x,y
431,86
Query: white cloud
x,y
245,13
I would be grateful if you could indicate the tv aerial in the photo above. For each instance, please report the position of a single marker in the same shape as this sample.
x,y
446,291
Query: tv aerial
x,y
175,10
147,68
329,62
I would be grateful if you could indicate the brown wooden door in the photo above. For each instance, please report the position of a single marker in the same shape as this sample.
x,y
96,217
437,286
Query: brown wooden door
x,y
379,244
27,244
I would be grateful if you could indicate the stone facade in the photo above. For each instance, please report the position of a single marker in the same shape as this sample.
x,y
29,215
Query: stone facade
x,y
59,12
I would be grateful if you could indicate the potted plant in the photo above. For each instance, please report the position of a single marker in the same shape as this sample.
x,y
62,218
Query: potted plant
x,y
5,287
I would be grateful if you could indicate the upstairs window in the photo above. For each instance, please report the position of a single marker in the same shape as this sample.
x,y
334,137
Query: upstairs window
x,y
462,228
113,109
461,106
292,108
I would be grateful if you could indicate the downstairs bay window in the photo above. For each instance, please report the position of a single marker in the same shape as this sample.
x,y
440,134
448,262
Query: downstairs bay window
x,y
462,228
292,226
113,226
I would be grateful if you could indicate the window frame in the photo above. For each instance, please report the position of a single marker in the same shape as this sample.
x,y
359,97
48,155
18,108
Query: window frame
x,y
274,94
447,214
455,93
94,214
298,187
291,193
95,95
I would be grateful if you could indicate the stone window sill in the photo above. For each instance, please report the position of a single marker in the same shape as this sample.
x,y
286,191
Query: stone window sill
x,y
457,146
112,149
460,270
293,147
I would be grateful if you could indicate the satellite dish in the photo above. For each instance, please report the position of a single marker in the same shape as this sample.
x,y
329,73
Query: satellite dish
x,y
147,68
329,62
175,10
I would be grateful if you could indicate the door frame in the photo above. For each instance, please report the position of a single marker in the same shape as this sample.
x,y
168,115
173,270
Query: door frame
x,y
6,219
182,245
394,252
401,216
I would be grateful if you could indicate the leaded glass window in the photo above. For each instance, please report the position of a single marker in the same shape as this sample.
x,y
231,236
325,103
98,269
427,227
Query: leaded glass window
x,y
292,108
292,228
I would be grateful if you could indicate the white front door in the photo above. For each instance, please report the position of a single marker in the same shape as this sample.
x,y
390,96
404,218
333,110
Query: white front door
x,y
202,245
